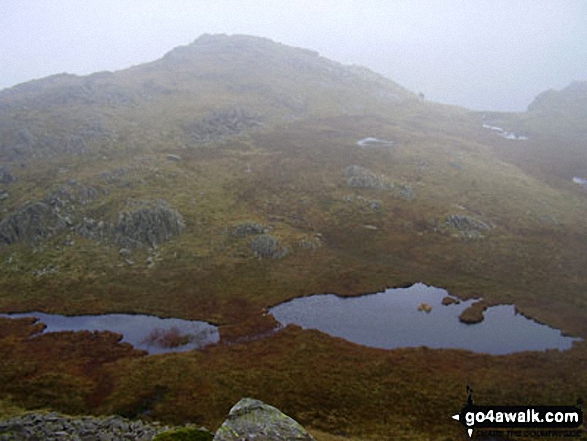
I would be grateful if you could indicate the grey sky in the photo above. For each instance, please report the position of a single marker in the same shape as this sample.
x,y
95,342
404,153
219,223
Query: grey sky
x,y
482,54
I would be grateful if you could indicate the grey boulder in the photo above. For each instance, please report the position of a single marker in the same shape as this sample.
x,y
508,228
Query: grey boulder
x,y
251,419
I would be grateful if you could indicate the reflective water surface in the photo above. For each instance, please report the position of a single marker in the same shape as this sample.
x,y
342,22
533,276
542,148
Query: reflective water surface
x,y
393,319
153,334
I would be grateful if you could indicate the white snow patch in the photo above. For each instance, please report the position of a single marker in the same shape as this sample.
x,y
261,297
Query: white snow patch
x,y
373,142
504,134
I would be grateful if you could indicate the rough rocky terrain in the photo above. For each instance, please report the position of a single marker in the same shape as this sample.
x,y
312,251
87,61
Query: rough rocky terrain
x,y
249,419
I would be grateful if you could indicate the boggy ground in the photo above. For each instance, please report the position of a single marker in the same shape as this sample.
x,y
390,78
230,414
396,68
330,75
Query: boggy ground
x,y
325,383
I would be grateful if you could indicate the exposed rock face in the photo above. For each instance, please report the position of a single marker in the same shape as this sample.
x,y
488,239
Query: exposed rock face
x,y
254,420
223,124
466,225
54,427
149,225
32,224
267,246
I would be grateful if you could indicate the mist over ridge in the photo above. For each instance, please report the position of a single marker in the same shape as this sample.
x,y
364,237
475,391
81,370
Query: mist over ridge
x,y
483,55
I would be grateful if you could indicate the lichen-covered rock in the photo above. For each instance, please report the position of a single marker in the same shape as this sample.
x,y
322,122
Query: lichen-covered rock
x,y
466,225
251,419
267,246
55,427
151,224
93,229
249,229
33,223
74,193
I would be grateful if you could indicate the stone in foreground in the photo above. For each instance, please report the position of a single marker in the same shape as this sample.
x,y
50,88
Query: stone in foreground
x,y
254,420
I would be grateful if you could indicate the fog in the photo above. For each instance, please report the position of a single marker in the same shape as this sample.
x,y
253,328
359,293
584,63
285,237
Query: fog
x,y
482,54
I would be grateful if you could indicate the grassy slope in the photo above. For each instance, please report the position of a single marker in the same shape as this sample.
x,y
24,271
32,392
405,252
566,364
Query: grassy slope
x,y
297,186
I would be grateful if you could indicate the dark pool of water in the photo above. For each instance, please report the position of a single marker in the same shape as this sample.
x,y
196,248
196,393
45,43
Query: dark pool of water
x,y
391,319
153,334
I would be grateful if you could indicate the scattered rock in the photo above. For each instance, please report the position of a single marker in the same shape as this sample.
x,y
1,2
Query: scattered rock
x,y
466,225
74,193
365,203
405,191
221,125
361,177
309,243
249,229
251,419
450,301
171,157
114,176
55,427
49,269
3,195
267,246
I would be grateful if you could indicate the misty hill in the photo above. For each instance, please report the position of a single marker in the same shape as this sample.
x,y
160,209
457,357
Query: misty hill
x,y
211,78
241,129
556,121
235,173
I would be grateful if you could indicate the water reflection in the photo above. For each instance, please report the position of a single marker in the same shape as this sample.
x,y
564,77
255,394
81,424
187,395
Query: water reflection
x,y
153,334
392,319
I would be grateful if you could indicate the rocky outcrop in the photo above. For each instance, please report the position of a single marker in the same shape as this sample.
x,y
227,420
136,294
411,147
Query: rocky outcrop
x,y
252,419
74,193
467,226
151,225
245,229
33,223
221,125
55,427
266,246
362,177
248,420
